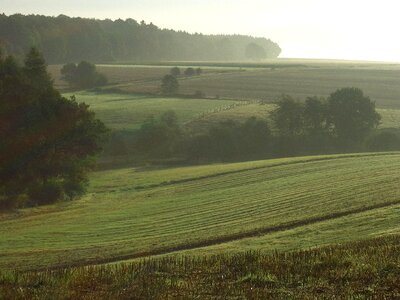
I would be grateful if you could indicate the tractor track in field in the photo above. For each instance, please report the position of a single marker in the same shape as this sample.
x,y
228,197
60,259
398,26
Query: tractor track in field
x,y
220,240
280,164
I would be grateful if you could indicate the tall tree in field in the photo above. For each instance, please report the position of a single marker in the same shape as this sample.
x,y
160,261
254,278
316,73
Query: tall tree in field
x,y
47,141
84,75
352,116
289,123
288,116
169,85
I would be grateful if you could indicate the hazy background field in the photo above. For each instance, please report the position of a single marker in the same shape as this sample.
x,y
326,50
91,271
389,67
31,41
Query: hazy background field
x,y
267,81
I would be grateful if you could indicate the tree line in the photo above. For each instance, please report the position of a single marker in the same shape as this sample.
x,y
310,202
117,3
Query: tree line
x,y
344,122
63,39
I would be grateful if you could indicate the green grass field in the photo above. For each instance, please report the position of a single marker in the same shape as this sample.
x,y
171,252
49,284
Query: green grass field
x,y
233,82
126,111
383,86
137,212
263,81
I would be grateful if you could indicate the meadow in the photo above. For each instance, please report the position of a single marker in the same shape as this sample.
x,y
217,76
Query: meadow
x,y
233,90
302,227
129,111
262,81
125,111
133,213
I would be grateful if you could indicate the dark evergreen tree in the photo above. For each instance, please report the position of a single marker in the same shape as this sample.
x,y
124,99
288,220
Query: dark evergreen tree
x,y
47,140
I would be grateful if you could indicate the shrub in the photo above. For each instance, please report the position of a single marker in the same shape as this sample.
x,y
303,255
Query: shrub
x,y
175,71
190,72
169,85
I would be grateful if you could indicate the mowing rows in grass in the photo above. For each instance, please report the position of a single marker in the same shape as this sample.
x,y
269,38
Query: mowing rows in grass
x,y
362,270
120,221
129,111
268,84
125,111
367,224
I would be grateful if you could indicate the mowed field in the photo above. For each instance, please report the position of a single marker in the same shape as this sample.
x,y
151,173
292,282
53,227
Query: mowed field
x,y
129,111
121,111
275,204
132,94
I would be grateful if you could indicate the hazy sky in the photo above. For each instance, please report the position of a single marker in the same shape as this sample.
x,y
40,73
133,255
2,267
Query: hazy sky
x,y
344,29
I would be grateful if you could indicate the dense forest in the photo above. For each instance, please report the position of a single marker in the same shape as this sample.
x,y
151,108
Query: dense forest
x,y
63,39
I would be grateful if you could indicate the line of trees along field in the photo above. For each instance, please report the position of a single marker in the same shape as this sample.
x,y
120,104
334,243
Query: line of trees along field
x,y
63,39
344,122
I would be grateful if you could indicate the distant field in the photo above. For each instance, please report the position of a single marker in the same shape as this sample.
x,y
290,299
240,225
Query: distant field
x,y
383,86
140,74
390,118
137,212
125,111
263,81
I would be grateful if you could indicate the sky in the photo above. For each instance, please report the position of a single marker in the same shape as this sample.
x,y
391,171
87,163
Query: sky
x,y
334,29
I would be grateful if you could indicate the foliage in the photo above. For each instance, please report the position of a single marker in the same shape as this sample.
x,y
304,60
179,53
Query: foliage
x,y
63,39
159,138
255,52
169,85
384,141
287,117
229,140
175,71
190,71
47,140
342,123
83,75
352,116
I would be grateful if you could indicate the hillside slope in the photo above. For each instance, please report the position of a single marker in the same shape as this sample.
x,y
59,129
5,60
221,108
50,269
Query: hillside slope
x,y
133,213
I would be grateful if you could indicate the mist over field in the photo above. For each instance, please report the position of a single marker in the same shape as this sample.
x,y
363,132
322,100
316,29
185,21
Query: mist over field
x,y
199,149
355,30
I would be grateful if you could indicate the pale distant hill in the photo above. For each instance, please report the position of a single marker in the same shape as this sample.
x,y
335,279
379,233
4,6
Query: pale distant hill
x,y
63,39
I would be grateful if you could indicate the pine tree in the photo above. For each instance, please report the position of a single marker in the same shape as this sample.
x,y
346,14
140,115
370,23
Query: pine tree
x,y
47,140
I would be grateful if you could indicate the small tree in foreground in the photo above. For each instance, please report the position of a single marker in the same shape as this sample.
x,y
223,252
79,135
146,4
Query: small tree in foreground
x,y
169,85
47,141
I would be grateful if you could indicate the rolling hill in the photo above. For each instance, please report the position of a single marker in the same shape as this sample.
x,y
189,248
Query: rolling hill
x,y
132,213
